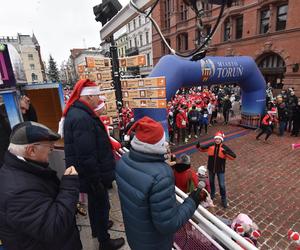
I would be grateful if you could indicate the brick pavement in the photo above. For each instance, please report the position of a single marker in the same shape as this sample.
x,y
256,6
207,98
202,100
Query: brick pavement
x,y
263,182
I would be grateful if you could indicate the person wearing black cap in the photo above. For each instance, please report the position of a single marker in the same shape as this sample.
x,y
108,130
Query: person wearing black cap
x,y
37,211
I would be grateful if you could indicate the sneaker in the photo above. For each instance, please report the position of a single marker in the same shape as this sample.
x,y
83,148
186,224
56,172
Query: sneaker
x,y
224,203
112,244
190,136
196,136
185,140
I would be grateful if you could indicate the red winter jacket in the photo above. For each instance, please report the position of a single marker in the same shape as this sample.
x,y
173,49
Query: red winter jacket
x,y
181,116
183,173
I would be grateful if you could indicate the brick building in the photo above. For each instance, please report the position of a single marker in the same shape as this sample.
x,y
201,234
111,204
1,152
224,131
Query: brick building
x,y
267,30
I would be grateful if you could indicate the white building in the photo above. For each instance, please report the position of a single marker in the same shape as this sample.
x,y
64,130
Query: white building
x,y
29,50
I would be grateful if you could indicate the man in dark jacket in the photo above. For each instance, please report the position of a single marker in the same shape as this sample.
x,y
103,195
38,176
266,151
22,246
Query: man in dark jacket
x,y
37,211
147,192
88,148
217,155
226,105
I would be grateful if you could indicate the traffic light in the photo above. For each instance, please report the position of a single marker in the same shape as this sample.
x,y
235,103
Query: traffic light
x,y
106,10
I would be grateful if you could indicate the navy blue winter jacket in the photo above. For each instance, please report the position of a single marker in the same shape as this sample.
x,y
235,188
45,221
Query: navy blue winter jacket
x,y
37,211
87,147
147,194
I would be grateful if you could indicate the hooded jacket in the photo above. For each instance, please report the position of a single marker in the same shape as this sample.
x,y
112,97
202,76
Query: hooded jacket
x,y
147,194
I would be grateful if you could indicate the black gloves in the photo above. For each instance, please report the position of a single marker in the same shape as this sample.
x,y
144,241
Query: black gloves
x,y
195,195
97,189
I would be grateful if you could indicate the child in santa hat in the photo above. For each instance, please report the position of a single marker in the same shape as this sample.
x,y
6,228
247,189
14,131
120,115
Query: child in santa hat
x,y
295,237
245,227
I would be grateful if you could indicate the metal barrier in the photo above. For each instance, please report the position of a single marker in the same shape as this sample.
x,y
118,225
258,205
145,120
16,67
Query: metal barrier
x,y
214,230
250,120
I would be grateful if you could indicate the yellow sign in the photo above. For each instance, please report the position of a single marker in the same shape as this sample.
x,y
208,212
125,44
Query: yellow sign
x,y
80,68
144,82
111,106
144,93
146,103
90,62
104,75
109,94
106,84
132,61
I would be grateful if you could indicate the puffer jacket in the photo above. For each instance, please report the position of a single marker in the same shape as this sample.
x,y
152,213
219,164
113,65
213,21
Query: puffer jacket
x,y
37,211
147,194
217,155
87,147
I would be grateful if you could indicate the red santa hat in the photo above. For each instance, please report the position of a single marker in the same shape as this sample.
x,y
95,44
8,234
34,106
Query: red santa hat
x,y
83,87
273,111
219,135
294,236
255,234
149,136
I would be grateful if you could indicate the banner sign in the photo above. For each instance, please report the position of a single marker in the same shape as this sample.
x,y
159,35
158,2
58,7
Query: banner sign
x,y
143,82
97,62
144,93
132,61
146,103
7,78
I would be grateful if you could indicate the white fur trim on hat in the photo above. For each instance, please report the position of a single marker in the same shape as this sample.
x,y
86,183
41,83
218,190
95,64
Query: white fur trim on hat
x,y
100,106
219,137
93,90
157,148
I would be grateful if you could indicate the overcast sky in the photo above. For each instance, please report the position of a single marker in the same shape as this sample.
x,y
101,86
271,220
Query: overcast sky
x,y
59,25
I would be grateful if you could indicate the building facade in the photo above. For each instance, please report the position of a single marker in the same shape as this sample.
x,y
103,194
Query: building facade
x,y
76,58
29,50
267,30
139,41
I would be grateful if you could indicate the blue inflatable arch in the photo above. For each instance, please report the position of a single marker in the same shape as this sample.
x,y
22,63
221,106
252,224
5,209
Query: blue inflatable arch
x,y
209,71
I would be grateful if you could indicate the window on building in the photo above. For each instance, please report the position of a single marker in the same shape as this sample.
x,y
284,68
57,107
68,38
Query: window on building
x,y
140,21
167,14
147,37
129,26
148,59
32,67
130,43
165,49
207,8
134,25
239,27
281,17
30,57
226,30
141,40
264,21
182,42
34,77
135,42
183,12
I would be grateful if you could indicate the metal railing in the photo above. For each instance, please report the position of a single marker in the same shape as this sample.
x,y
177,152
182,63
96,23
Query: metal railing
x,y
216,229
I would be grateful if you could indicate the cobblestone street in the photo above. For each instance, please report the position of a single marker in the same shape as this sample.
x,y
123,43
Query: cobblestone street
x,y
263,182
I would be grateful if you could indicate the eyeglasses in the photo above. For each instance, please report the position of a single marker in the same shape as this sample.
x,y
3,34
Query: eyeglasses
x,y
50,145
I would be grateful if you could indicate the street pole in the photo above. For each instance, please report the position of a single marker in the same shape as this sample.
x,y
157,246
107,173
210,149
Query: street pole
x,y
115,69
